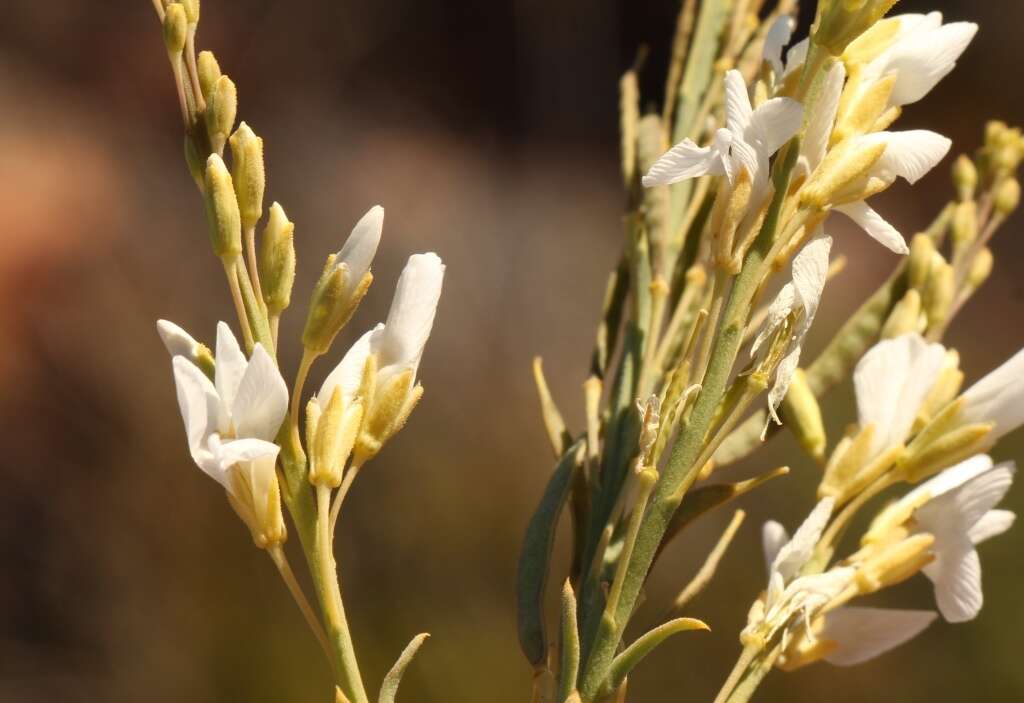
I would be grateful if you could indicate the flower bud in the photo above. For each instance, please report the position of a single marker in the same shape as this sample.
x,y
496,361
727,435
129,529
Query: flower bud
x,y
393,402
803,416
248,174
895,564
845,168
939,292
277,260
945,390
222,210
905,316
1007,197
839,22
191,11
209,72
947,439
343,283
221,109
331,446
255,494
981,269
965,177
175,29
919,262
965,224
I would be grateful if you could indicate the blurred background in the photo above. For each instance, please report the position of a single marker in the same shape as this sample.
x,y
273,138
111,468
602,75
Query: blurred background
x,y
488,131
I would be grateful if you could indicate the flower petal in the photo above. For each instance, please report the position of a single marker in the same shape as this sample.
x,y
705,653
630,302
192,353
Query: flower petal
x,y
958,585
773,538
891,382
864,633
773,124
810,271
242,450
822,117
998,397
778,36
797,55
348,374
909,155
261,402
792,557
923,59
684,160
198,402
738,109
230,365
411,316
177,341
992,524
950,515
876,227
361,246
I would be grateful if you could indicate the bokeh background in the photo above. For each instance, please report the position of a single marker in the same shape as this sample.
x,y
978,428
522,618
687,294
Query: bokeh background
x,y
488,131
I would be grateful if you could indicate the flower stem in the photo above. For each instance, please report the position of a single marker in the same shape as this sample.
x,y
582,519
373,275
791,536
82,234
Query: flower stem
x,y
339,497
231,271
254,271
288,576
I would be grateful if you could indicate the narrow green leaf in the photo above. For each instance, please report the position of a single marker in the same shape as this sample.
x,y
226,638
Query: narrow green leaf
x,y
645,644
536,554
389,687
570,659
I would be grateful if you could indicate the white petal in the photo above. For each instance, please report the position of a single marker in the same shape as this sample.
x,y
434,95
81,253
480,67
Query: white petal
x,y
778,311
411,316
261,402
262,474
992,524
783,377
177,341
738,109
684,160
198,402
745,156
242,450
773,124
810,271
952,478
864,633
891,381
873,223
230,366
822,117
797,55
922,60
958,586
998,397
792,557
910,154
950,515
773,538
778,36
361,246
348,374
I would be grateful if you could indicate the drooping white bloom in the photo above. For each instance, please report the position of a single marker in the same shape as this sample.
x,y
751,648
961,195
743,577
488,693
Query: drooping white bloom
x,y
859,634
960,514
802,295
909,155
777,37
923,52
789,595
361,246
747,142
892,381
998,398
398,343
232,419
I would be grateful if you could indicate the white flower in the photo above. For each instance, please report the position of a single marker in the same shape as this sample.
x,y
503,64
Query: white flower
x,y
810,270
959,514
859,634
234,418
821,119
747,142
397,344
361,246
892,381
778,36
998,398
923,52
790,595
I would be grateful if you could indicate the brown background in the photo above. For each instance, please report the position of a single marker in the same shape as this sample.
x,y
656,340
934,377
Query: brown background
x,y
488,132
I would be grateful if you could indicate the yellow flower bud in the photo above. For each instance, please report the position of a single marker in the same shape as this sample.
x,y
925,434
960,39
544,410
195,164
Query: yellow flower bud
x,y
221,109
945,390
905,316
939,292
332,304
965,177
191,11
248,173
222,210
277,260
840,22
255,494
803,416
175,29
895,564
393,402
919,263
335,434
847,459
965,224
208,71
845,168
1007,197
981,269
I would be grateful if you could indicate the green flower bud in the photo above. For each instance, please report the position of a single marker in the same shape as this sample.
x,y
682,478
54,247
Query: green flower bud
x,y
939,292
803,416
905,316
919,263
965,177
222,210
248,173
965,224
175,29
839,22
277,260
191,11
